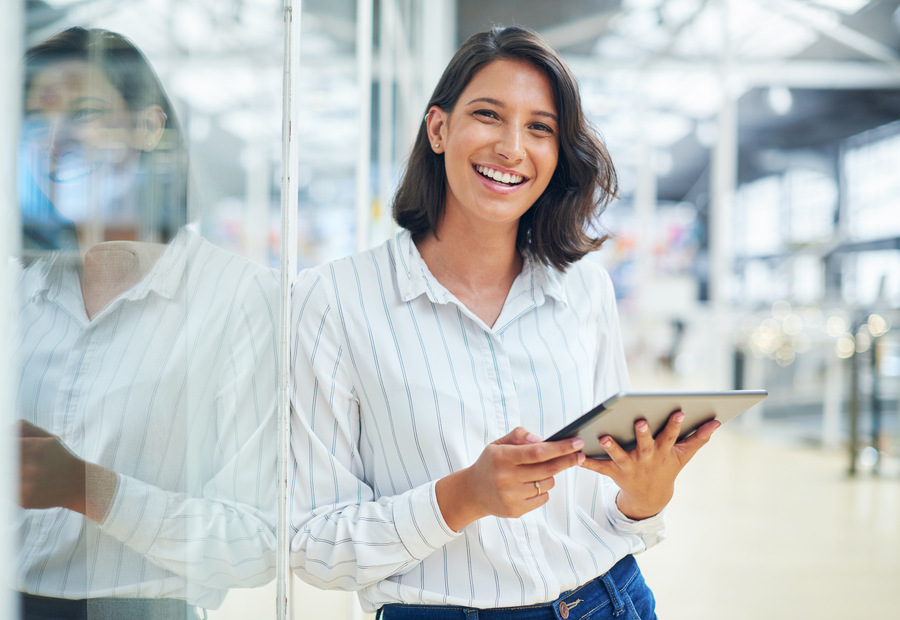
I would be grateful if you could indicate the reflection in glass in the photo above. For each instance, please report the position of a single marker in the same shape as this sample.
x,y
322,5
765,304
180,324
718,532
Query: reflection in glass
x,y
147,357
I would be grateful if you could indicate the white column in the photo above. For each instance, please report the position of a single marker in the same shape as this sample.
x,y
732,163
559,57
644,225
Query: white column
x,y
723,182
388,31
10,102
645,198
289,202
438,25
364,24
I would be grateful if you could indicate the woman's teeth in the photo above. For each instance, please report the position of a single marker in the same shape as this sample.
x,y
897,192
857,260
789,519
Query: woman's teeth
x,y
501,177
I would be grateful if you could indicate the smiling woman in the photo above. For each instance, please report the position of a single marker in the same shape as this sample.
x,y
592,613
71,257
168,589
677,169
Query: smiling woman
x,y
426,371
582,182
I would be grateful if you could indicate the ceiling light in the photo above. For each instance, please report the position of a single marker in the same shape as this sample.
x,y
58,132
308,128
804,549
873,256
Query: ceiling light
x,y
780,100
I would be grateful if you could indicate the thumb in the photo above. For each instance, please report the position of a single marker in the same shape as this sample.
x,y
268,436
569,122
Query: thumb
x,y
518,437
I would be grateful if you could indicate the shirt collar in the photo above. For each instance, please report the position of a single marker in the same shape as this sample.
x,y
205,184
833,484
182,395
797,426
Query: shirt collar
x,y
48,275
414,278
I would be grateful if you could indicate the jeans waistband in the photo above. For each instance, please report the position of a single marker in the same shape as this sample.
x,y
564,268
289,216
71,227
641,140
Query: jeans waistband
x,y
572,605
36,607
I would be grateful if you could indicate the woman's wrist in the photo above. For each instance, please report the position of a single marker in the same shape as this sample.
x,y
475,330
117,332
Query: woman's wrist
x,y
454,499
635,510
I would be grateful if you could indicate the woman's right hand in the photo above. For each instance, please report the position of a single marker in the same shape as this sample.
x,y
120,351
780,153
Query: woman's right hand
x,y
502,481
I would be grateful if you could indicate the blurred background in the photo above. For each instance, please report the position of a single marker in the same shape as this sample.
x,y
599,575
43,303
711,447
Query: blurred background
x,y
756,239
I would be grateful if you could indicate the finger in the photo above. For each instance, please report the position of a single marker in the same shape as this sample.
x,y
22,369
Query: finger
x,y
532,489
692,444
518,437
615,452
644,437
548,469
535,501
670,432
546,451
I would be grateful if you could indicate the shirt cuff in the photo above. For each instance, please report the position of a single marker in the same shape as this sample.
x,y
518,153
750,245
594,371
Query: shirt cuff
x,y
651,530
419,522
136,514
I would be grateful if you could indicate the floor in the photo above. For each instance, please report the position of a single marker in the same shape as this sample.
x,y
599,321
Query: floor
x,y
761,528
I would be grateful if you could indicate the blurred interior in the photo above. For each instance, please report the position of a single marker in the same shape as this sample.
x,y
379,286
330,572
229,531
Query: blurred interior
x,y
755,242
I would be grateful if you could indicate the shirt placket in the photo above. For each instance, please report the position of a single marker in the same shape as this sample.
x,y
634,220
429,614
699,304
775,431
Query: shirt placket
x,y
507,416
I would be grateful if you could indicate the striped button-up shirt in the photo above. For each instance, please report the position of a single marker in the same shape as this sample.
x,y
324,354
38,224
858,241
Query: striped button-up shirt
x,y
397,384
173,387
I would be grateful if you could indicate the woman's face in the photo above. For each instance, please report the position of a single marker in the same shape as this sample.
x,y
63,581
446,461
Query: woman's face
x,y
500,144
79,142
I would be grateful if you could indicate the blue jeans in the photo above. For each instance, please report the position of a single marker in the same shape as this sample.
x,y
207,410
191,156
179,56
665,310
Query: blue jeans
x,y
45,608
619,594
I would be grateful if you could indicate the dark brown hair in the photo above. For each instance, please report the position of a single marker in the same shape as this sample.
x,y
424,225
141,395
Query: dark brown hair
x,y
557,229
163,195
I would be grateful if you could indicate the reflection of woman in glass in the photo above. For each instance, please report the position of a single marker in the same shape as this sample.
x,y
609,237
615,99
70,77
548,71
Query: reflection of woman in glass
x,y
102,146
147,381
428,369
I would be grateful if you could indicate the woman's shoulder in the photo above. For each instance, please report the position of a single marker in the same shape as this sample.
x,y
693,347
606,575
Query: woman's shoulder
x,y
589,274
356,270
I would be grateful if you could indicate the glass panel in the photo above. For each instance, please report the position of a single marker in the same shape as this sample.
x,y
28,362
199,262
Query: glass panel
x,y
873,187
758,218
148,306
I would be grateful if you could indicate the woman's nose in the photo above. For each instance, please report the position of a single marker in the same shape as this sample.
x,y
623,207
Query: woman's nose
x,y
58,135
510,144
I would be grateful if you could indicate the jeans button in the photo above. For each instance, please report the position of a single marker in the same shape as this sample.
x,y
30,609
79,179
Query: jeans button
x,y
563,610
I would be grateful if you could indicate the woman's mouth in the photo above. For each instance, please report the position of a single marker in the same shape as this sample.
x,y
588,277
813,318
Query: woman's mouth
x,y
71,167
497,176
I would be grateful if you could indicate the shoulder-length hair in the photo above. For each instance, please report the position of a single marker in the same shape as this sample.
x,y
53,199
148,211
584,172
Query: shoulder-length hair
x,y
557,229
164,175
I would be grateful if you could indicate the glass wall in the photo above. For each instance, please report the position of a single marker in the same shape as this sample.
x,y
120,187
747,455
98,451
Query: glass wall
x,y
148,302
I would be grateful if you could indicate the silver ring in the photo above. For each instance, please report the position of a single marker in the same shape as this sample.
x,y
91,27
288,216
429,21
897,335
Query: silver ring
x,y
537,485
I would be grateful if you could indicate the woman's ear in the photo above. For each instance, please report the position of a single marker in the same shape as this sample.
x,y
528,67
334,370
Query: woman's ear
x,y
436,125
149,128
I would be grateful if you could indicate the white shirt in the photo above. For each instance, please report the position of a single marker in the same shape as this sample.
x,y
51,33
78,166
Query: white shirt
x,y
173,387
397,384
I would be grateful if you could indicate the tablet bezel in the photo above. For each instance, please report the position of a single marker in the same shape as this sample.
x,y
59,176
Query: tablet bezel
x,y
616,415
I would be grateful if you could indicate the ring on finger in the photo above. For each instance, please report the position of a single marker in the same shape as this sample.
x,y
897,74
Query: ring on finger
x,y
537,485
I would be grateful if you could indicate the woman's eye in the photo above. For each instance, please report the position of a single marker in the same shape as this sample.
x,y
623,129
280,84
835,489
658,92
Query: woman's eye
x,y
486,113
84,115
542,127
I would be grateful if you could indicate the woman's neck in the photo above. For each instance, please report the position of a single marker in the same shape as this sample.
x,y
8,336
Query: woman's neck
x,y
477,267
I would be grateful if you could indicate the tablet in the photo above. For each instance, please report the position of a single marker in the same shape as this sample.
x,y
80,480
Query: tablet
x,y
616,415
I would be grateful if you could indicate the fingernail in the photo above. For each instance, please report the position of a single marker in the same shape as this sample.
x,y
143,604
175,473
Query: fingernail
x,y
606,442
581,458
578,443
679,417
532,438
642,426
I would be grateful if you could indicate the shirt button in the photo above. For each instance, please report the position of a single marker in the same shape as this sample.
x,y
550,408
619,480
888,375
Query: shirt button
x,y
563,610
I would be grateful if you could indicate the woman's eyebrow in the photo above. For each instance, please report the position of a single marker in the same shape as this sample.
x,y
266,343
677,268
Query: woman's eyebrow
x,y
500,104
80,100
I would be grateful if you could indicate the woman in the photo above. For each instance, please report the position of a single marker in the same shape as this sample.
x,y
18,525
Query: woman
x,y
427,370
146,392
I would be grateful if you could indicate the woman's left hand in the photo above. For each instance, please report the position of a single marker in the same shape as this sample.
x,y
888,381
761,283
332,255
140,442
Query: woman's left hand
x,y
646,475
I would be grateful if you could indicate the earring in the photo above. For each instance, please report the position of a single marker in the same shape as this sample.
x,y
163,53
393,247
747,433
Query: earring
x,y
437,145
